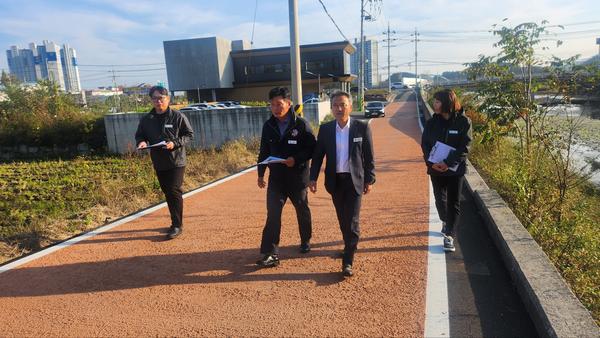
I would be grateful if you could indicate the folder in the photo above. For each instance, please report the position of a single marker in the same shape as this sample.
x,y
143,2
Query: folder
x,y
440,152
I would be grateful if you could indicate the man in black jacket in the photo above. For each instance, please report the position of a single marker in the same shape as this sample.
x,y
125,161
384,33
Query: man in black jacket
x,y
349,171
163,124
289,137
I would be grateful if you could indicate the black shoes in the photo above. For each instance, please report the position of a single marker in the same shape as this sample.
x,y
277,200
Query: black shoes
x,y
347,270
268,260
174,232
305,247
449,244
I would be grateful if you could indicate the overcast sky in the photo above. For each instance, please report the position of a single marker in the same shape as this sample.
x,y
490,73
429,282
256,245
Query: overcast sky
x,y
131,32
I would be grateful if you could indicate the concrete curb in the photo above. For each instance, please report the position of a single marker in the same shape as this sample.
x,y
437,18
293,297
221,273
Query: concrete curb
x,y
554,309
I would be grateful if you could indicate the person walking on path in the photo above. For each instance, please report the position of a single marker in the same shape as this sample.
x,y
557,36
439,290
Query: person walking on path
x,y
289,137
166,132
349,171
449,126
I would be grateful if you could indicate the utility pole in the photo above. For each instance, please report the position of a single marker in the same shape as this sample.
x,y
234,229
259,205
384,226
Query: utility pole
x,y
295,53
389,42
361,59
375,9
416,35
115,91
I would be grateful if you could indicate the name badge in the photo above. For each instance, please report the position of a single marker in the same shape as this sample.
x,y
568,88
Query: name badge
x,y
453,132
292,142
358,139
168,126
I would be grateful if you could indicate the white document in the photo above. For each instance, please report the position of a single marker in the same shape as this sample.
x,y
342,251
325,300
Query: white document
x,y
272,159
440,152
155,145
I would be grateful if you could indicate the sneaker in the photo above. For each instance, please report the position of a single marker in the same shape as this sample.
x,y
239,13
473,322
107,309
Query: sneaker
x,y
347,270
449,244
174,232
305,247
268,260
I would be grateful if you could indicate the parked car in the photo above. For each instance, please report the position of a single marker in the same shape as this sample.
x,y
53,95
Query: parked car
x,y
398,85
312,100
200,106
189,109
375,109
230,103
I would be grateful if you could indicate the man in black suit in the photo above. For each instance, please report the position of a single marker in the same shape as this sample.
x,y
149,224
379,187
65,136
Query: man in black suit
x,y
290,137
349,172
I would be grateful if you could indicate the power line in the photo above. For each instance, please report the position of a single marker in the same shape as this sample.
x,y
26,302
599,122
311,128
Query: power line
x,y
124,65
437,32
253,25
96,72
597,31
332,20
576,23
138,70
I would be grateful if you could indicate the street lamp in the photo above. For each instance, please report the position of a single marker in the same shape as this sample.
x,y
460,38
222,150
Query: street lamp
x,y
318,81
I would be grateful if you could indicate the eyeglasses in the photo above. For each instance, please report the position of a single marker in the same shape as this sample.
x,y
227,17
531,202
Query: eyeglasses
x,y
159,98
340,105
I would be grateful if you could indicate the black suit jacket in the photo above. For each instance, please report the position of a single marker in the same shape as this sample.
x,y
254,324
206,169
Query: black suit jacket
x,y
362,163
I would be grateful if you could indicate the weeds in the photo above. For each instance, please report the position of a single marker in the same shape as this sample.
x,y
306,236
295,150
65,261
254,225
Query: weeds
x,y
571,241
42,202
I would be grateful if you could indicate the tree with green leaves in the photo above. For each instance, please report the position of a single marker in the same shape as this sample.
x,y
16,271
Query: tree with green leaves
x,y
528,147
42,115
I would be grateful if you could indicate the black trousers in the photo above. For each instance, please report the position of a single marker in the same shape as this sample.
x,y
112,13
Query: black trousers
x,y
275,201
347,207
447,191
170,183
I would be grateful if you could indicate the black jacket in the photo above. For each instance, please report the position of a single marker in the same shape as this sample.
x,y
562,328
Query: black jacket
x,y
362,162
298,141
455,132
172,126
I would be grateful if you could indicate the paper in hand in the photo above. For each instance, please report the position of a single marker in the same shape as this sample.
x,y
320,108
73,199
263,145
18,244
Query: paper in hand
x,y
440,152
272,159
155,145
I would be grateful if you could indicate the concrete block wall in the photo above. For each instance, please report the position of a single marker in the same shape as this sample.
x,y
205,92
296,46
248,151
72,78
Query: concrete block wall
x,y
212,128
316,112
120,131
215,127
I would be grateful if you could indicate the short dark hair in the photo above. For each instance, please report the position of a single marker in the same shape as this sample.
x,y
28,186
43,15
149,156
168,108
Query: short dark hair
x,y
341,93
279,91
162,90
450,103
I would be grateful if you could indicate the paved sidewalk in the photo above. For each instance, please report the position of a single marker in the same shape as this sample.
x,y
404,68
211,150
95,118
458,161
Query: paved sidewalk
x,y
129,281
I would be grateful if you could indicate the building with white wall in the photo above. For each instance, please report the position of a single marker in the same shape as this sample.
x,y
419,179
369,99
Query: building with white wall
x,y
68,57
371,61
45,62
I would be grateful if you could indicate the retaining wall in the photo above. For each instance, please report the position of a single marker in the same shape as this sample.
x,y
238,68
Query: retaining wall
x,y
212,128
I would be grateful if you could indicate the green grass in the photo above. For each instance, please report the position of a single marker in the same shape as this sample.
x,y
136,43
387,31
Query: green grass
x,y
42,202
571,241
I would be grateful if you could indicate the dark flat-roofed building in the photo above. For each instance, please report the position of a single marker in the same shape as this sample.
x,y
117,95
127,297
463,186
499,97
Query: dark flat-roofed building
x,y
210,69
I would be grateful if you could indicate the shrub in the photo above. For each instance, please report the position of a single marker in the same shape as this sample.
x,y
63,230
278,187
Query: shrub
x,y
43,116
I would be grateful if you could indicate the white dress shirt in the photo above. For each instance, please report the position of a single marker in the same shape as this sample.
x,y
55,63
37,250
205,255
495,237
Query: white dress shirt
x,y
342,148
